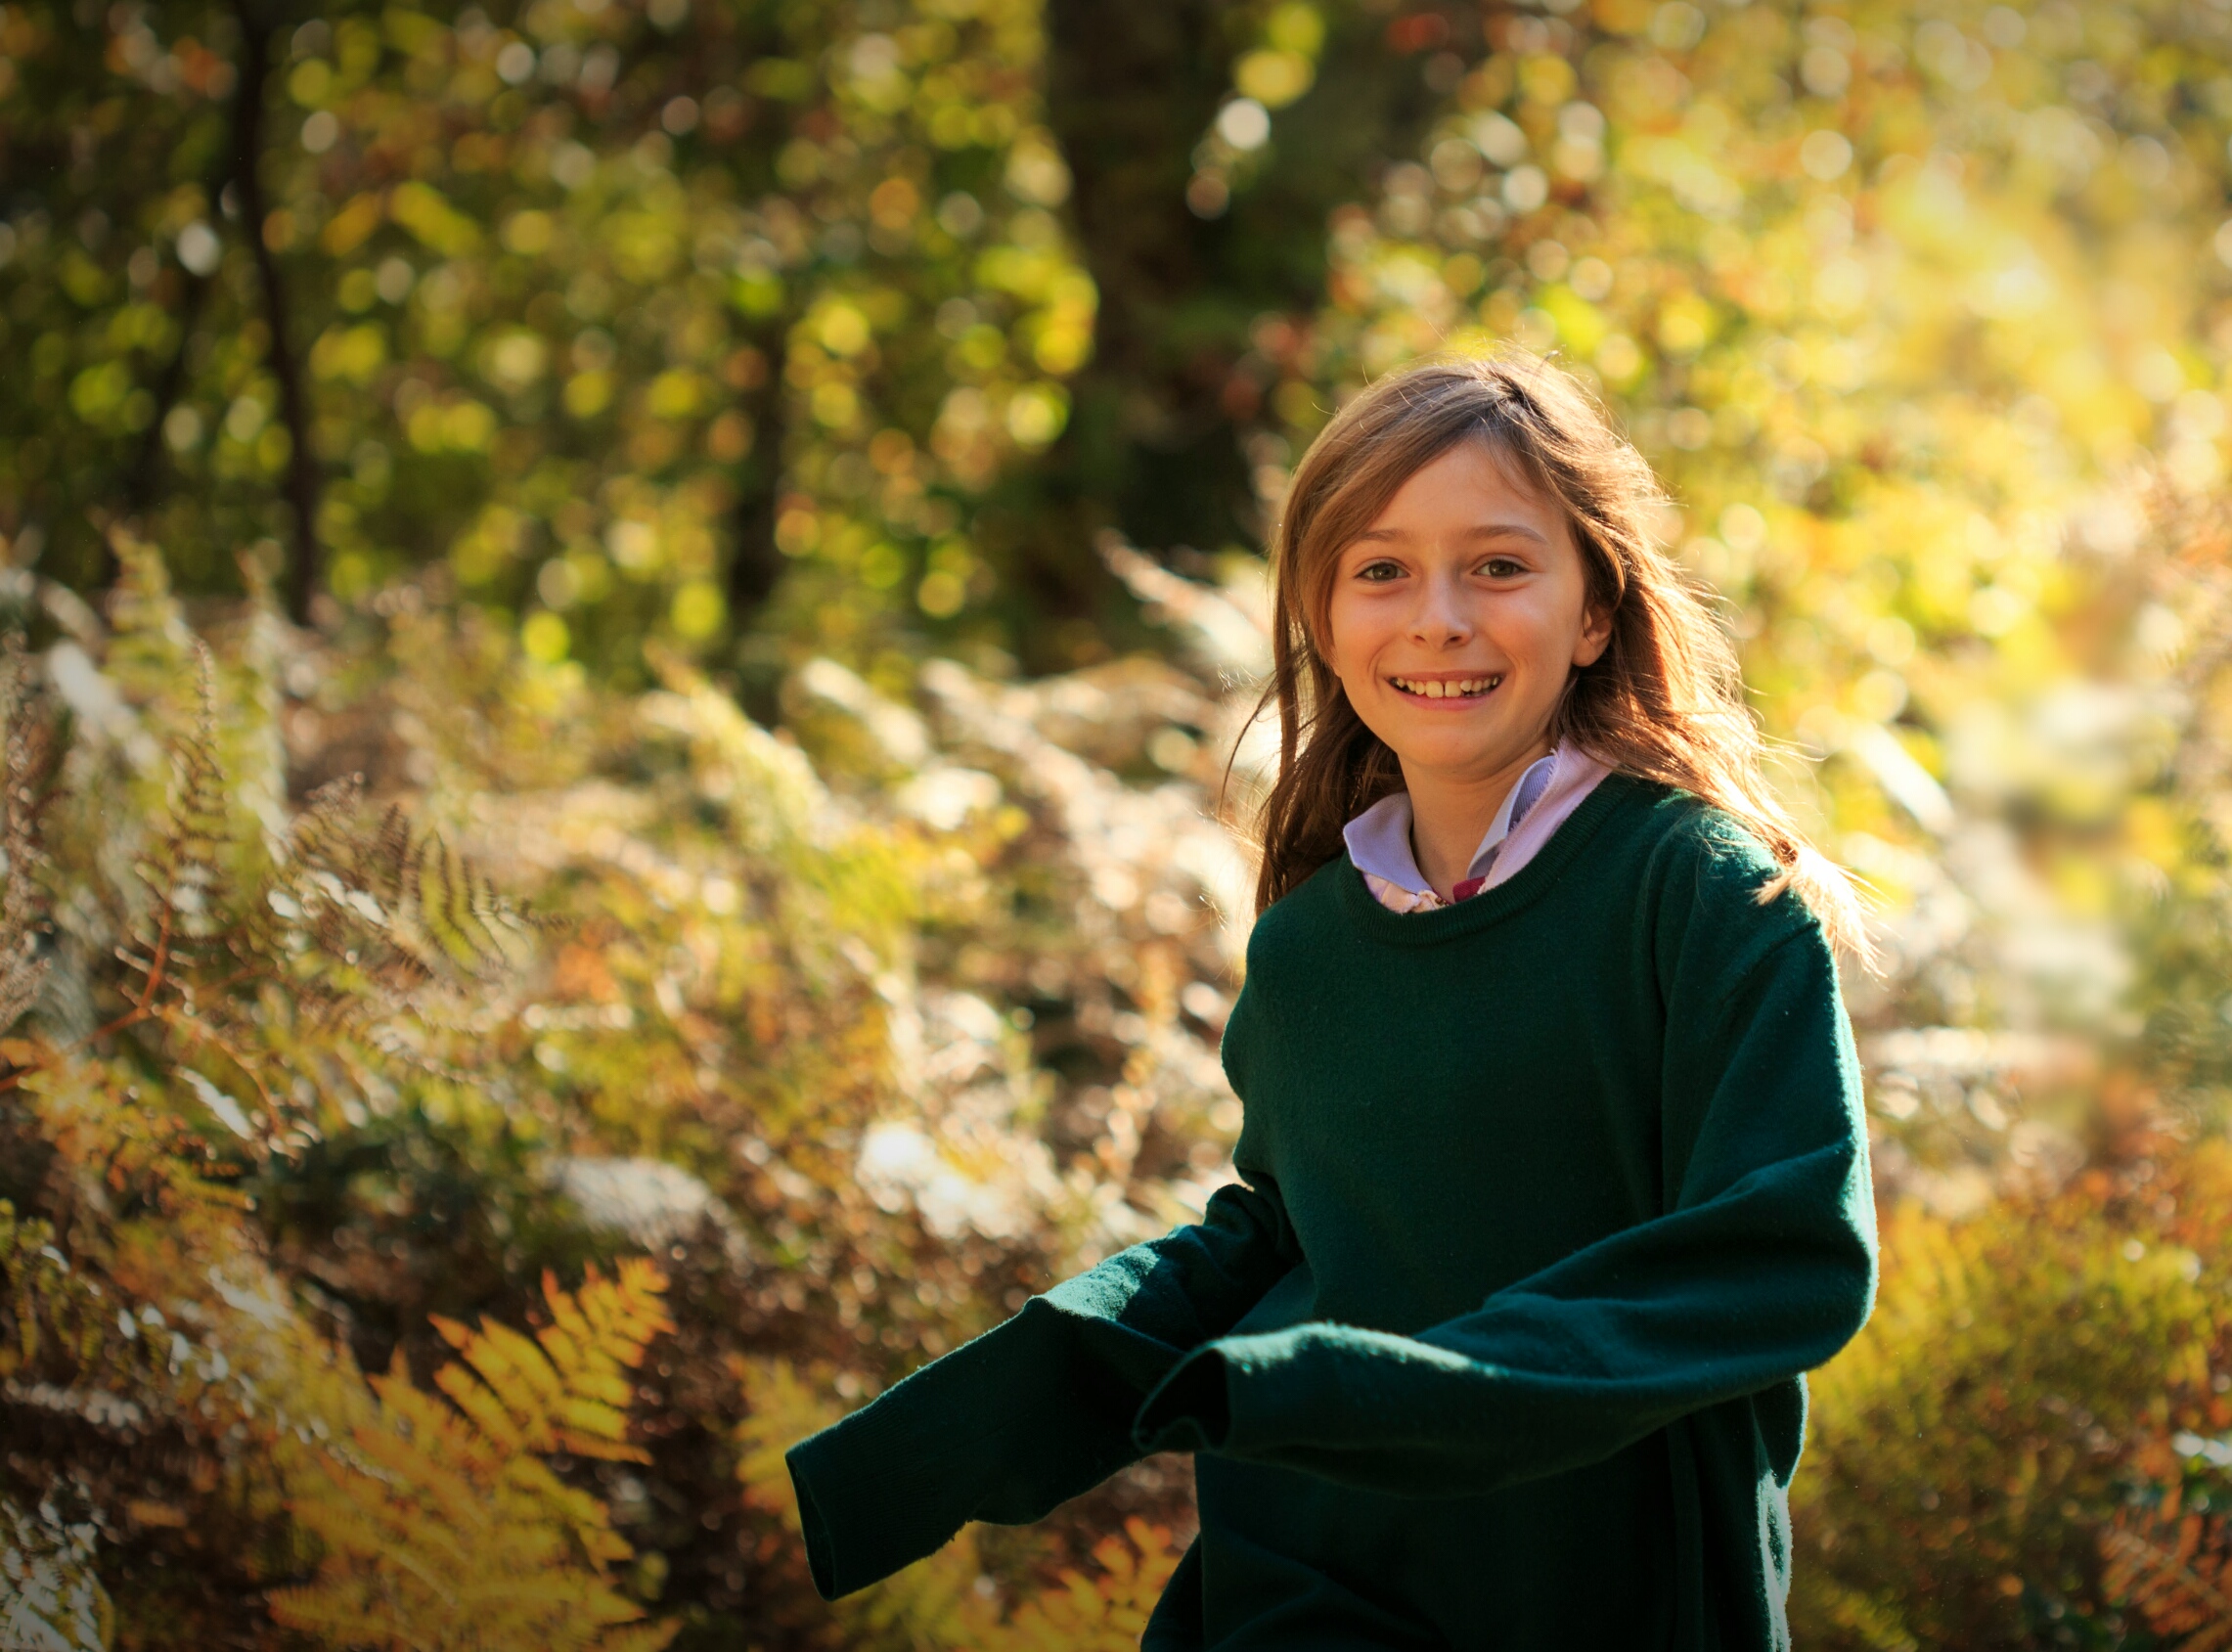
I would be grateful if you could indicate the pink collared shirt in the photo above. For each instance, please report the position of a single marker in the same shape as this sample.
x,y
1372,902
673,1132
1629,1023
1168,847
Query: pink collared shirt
x,y
1543,799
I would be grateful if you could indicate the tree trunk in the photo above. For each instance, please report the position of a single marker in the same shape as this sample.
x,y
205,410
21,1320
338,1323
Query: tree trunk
x,y
301,484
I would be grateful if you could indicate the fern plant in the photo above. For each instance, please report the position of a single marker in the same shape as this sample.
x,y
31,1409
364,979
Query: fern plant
x,y
194,983
296,1090
448,1528
1106,1610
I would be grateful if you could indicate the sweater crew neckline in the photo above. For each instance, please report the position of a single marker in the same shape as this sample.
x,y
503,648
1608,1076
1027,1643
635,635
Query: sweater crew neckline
x,y
1495,903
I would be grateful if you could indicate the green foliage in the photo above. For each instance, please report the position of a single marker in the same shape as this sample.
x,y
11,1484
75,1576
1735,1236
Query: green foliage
x,y
1838,275
624,311
187,1393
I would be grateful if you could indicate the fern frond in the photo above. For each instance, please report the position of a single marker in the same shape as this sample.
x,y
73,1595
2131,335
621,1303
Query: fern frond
x,y
391,913
149,641
322,833
388,861
567,1389
517,1393
780,1409
186,871
594,1337
2175,1569
443,1528
1103,1612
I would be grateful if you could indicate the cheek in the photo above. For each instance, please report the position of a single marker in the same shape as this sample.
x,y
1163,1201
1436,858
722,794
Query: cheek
x,y
1534,630
1555,619
1350,639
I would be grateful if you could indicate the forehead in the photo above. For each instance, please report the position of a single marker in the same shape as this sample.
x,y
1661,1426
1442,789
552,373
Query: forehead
x,y
1472,482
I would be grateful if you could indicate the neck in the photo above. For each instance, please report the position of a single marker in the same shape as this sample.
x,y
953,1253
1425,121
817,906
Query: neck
x,y
1449,813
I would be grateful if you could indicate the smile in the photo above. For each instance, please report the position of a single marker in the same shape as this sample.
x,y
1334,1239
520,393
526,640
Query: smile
x,y
1450,687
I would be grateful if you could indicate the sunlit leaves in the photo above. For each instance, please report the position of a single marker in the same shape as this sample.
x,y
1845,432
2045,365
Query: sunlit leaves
x,y
1898,305
537,259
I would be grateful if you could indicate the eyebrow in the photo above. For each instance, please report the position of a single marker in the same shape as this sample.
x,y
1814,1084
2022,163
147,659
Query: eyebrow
x,y
1483,530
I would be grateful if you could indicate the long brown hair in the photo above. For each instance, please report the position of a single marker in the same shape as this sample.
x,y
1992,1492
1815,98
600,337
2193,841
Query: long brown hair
x,y
1664,701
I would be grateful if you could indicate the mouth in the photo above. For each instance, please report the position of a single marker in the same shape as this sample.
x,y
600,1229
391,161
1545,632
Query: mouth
x,y
1448,688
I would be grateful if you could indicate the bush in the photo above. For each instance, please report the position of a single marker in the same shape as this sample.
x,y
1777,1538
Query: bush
x,y
2017,1385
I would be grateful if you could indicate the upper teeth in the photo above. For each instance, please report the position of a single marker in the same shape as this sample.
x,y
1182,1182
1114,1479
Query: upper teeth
x,y
1443,689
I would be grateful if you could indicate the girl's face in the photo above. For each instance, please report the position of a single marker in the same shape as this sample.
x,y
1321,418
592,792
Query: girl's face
x,y
1457,616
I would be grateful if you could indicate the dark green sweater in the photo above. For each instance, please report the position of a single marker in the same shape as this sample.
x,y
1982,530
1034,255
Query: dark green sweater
x,y
1547,1198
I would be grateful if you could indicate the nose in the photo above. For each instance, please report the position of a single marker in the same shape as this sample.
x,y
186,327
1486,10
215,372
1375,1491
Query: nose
x,y
1442,618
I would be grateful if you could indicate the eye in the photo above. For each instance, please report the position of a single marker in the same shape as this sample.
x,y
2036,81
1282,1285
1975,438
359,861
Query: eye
x,y
1502,567
1380,570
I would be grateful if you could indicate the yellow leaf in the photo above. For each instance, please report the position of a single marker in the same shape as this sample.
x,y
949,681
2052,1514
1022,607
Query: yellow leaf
x,y
350,228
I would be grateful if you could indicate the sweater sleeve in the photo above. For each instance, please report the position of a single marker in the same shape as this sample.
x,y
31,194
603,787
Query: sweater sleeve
x,y
1762,1266
1037,1409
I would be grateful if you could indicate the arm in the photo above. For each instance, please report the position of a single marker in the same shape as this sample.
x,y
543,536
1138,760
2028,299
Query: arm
x,y
1038,1409
1762,1267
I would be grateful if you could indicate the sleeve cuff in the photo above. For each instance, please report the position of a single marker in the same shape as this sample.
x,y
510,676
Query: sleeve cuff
x,y
1190,1408
821,1557
1233,1394
1003,1428
870,1499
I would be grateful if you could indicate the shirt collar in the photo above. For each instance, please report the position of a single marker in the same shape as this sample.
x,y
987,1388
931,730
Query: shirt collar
x,y
1379,839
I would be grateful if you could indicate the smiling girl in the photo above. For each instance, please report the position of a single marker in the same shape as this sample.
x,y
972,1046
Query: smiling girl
x,y
1553,1177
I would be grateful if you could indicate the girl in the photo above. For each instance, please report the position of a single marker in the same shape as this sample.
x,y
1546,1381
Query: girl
x,y
1554,1177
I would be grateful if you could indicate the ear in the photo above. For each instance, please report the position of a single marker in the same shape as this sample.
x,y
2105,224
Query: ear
x,y
1596,635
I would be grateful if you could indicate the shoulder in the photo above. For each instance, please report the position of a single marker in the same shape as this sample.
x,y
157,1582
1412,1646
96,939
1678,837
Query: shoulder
x,y
1305,916
1703,872
1293,943
1294,940
1662,836
1291,936
1692,840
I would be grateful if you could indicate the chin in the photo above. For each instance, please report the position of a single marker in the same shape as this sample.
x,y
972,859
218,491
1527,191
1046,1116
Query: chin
x,y
1469,746
1441,752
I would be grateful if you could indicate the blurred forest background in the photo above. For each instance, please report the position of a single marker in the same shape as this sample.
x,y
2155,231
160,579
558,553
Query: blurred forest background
x,y
631,612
